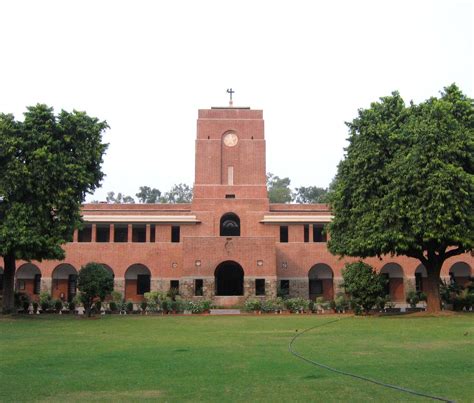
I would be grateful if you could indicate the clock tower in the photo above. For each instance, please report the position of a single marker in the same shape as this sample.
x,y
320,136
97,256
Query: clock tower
x,y
230,154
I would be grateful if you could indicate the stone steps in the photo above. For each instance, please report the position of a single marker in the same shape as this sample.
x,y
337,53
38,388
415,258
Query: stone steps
x,y
225,312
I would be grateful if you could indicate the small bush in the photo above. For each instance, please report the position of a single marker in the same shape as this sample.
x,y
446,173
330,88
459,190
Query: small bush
x,y
58,305
113,306
72,306
297,304
129,306
143,306
268,306
252,305
35,307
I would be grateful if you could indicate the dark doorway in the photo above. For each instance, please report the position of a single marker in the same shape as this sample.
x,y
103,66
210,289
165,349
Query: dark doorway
x,y
229,278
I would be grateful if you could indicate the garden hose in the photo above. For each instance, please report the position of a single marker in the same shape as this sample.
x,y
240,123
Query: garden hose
x,y
360,377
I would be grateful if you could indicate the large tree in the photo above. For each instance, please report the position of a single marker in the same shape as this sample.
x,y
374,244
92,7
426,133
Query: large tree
x,y
278,189
148,195
180,193
406,184
310,194
48,163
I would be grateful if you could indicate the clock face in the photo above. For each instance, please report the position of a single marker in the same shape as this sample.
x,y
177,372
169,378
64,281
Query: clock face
x,y
230,139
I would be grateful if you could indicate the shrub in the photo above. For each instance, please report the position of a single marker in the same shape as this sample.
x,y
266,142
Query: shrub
x,y
35,307
363,284
72,306
98,306
45,300
94,281
340,303
143,305
252,305
129,306
414,297
297,304
58,305
154,300
113,306
117,297
382,302
268,306
206,305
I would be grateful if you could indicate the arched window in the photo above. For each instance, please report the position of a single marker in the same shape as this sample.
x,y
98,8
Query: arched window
x,y
230,225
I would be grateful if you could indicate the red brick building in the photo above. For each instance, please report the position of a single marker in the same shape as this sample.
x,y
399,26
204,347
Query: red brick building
x,y
230,243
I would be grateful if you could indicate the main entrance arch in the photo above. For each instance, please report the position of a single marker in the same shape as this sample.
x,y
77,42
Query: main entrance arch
x,y
229,279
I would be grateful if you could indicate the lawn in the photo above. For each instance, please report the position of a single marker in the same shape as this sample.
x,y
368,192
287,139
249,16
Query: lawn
x,y
239,358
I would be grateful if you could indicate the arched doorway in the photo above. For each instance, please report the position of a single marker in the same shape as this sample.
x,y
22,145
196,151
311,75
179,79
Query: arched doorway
x,y
137,282
321,282
460,273
64,282
394,288
229,279
28,279
230,225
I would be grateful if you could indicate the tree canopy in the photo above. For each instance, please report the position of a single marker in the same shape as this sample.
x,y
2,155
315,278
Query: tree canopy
x,y
48,164
406,184
310,194
148,195
278,189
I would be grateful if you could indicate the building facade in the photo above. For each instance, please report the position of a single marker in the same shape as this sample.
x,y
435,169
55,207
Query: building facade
x,y
229,244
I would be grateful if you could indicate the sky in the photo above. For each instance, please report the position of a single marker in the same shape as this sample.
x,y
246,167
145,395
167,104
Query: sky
x,y
146,67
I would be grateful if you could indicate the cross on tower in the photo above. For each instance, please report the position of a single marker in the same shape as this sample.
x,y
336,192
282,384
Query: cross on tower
x,y
230,91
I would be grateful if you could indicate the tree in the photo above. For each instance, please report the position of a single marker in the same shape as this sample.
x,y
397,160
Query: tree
x,y
278,189
48,164
180,193
363,284
120,198
310,194
406,185
94,281
148,195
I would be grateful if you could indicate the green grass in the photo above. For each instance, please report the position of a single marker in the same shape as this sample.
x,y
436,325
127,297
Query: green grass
x,y
242,358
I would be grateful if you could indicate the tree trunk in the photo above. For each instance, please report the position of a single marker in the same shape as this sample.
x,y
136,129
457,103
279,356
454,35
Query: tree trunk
x,y
9,283
433,303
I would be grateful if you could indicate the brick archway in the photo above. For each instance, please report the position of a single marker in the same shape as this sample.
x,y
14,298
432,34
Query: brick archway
x,y
321,282
229,279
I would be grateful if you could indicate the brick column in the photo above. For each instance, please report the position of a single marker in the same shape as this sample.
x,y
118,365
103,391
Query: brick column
x,y
46,284
147,231
111,232
129,233
119,285
94,233
75,235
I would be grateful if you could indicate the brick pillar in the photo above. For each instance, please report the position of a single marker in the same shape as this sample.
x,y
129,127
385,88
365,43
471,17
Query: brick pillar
x,y
129,232
119,285
94,232
111,232
147,231
208,289
46,284
75,235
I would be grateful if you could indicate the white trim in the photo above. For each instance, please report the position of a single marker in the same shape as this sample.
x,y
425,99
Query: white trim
x,y
165,219
297,219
